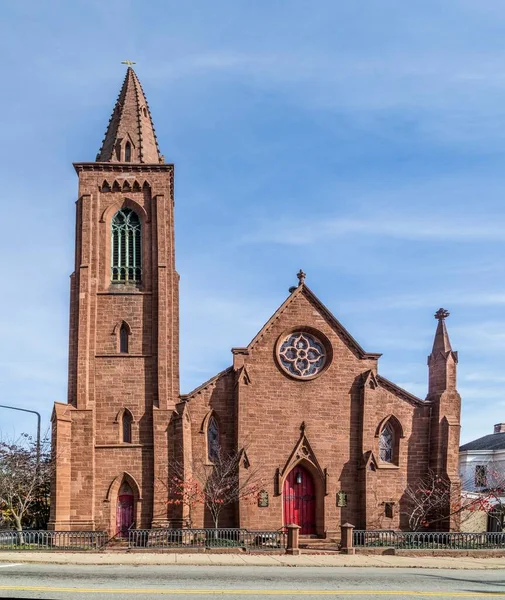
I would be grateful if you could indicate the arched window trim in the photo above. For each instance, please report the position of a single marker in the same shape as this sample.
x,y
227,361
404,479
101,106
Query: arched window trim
x,y
121,328
115,486
126,247
387,443
120,422
389,434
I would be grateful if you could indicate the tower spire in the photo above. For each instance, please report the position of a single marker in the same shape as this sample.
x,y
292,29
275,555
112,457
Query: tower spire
x,y
441,343
130,134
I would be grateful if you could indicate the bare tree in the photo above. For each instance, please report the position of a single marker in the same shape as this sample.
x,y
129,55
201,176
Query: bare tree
x,y
225,482
217,485
433,499
25,482
183,491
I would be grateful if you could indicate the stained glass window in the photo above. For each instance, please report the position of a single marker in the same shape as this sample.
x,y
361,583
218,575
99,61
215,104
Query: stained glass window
x,y
212,439
126,258
386,443
302,354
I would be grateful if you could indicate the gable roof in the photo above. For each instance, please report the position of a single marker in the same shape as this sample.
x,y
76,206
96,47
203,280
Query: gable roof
x,y
205,384
302,289
398,391
493,441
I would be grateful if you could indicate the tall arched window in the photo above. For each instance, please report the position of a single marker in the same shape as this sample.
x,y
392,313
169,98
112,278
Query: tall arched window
x,y
387,443
128,152
212,439
123,338
127,426
126,255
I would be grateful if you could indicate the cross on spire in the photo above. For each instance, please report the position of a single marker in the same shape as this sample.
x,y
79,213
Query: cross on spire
x,y
442,314
301,277
128,62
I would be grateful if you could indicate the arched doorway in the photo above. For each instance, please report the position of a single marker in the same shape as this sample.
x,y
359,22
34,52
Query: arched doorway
x,y
299,498
124,511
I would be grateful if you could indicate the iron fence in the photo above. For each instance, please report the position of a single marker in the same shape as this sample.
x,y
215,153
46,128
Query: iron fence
x,y
428,540
52,540
208,538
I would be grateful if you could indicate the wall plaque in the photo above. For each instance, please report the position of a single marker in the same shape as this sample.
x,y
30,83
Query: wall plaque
x,y
341,499
263,499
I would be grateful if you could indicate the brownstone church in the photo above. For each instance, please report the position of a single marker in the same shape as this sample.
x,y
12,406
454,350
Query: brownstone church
x,y
334,441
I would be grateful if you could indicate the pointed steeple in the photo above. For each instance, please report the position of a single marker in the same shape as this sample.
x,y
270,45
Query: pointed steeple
x,y
441,343
443,360
130,136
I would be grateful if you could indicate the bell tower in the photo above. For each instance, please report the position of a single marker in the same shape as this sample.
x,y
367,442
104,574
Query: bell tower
x,y
123,384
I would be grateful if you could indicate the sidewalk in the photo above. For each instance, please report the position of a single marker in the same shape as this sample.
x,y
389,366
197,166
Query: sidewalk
x,y
259,560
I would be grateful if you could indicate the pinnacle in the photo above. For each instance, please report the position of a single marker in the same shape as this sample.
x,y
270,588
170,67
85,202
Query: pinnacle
x,y
130,134
441,342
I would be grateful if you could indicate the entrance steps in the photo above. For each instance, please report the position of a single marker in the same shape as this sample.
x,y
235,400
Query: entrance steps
x,y
117,544
311,544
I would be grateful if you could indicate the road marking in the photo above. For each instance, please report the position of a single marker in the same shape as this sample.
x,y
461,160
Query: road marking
x,y
12,565
182,592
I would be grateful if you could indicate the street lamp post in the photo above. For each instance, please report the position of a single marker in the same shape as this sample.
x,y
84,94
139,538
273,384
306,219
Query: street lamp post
x,y
38,426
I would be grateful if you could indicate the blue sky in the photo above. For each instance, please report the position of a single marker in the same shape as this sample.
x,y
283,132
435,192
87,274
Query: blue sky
x,y
361,141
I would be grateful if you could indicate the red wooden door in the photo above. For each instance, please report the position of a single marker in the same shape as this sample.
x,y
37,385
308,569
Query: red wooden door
x,y
300,500
124,514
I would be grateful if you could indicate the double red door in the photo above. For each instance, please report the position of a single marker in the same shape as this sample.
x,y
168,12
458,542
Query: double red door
x,y
300,500
124,514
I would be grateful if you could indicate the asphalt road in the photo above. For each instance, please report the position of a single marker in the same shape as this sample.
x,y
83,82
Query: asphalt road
x,y
189,582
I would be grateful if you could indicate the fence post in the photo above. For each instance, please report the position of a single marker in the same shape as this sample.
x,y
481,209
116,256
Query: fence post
x,y
293,534
346,539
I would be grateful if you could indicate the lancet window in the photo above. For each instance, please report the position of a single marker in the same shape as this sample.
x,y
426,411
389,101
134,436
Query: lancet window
x,y
123,338
387,443
127,426
212,439
128,152
126,251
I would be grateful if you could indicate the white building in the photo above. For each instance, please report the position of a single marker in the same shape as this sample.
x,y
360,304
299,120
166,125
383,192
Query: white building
x,y
482,471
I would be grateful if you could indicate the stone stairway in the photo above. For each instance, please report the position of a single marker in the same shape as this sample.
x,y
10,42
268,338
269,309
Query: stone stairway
x,y
312,544
117,544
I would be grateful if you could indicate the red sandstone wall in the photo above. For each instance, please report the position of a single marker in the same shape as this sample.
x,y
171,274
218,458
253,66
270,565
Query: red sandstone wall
x,y
341,425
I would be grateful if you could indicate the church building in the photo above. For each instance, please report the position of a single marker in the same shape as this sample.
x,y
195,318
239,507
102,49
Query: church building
x,y
331,439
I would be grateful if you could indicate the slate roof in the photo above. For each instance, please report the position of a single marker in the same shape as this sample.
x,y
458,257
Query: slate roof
x,y
493,441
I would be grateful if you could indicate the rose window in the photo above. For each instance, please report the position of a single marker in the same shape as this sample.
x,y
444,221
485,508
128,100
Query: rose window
x,y
301,354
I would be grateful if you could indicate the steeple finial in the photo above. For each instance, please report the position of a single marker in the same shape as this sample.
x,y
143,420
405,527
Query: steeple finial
x,y
128,62
442,314
301,277
441,343
130,136
443,360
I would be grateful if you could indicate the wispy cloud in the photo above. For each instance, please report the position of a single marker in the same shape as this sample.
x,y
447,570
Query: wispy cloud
x,y
414,227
